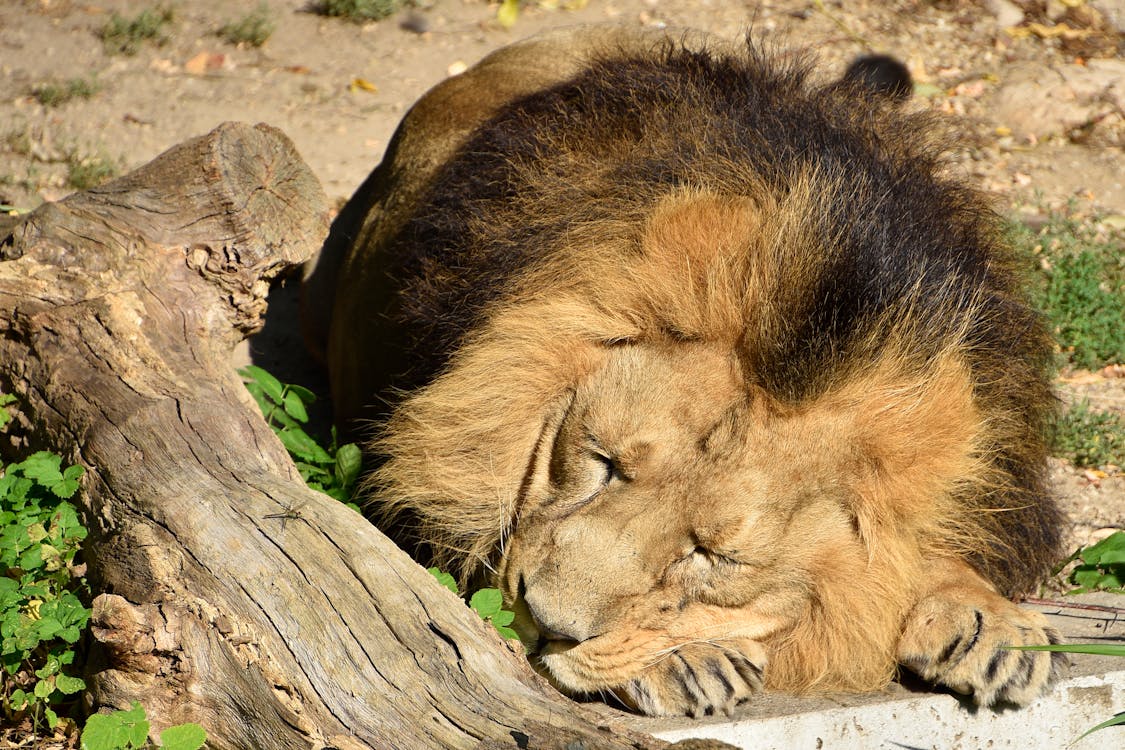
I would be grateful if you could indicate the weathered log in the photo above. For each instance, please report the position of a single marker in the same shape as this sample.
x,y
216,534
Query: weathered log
x,y
229,593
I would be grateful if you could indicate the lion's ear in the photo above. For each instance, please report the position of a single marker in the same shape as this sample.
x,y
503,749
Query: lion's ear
x,y
916,437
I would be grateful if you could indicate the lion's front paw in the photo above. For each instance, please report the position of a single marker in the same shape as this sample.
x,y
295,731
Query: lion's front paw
x,y
962,645
698,679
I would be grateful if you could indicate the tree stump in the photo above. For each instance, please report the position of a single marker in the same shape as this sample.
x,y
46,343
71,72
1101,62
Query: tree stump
x,y
229,594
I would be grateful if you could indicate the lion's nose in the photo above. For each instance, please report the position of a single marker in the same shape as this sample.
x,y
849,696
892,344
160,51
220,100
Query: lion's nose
x,y
553,626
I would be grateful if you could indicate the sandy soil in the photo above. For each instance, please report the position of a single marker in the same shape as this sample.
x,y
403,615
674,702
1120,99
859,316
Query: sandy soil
x,y
1039,108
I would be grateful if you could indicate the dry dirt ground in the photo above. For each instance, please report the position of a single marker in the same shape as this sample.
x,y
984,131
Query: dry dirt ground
x,y
1034,88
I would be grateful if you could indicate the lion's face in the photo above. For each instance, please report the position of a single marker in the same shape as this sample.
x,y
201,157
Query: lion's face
x,y
670,503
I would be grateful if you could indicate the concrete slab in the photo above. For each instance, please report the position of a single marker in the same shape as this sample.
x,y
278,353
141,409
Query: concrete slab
x,y
913,717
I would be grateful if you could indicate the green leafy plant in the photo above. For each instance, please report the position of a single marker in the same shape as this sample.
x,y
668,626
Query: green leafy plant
x,y
128,730
1088,437
359,11
332,470
41,617
252,29
488,603
55,94
1101,566
1076,275
124,36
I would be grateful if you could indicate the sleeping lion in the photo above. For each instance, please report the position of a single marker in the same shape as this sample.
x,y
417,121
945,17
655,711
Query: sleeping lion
x,y
711,369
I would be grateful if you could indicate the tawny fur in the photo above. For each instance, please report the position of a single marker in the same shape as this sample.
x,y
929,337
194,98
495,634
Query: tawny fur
x,y
801,349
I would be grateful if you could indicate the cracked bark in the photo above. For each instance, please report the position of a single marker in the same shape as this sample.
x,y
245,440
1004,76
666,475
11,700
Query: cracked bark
x,y
228,593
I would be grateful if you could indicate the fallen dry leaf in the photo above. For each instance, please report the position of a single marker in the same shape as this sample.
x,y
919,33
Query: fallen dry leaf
x,y
362,84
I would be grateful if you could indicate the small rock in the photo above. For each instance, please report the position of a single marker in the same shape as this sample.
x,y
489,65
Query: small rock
x,y
416,22
1007,13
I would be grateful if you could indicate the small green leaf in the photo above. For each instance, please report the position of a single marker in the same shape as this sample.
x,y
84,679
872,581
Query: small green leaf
x,y
183,737
105,732
41,464
31,559
68,685
297,442
503,618
444,579
507,632
47,627
43,688
50,668
270,385
349,461
52,717
70,634
313,473
64,488
1087,577
295,407
306,396
487,602
134,719
18,700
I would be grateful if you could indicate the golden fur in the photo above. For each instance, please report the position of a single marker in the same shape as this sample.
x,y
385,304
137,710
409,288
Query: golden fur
x,y
605,441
